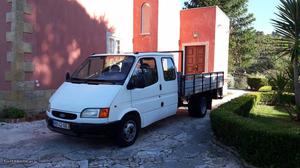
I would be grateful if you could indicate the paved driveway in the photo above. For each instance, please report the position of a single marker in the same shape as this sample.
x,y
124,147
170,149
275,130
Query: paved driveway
x,y
178,141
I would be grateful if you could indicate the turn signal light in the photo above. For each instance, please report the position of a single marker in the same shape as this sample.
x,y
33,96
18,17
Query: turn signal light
x,y
104,113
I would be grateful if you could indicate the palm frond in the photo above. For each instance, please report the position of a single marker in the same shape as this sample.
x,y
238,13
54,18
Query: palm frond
x,y
287,25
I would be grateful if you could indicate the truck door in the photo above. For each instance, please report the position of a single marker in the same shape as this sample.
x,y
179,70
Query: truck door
x,y
147,99
169,86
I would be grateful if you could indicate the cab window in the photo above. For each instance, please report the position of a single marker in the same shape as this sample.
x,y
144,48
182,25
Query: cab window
x,y
146,69
168,69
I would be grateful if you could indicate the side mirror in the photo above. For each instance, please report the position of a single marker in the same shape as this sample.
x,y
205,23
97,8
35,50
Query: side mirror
x,y
68,77
130,84
136,82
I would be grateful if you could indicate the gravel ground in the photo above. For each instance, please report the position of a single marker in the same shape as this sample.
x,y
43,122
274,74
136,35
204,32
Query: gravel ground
x,y
178,141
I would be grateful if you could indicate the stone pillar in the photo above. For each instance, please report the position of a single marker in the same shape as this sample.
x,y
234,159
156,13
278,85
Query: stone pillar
x,y
16,75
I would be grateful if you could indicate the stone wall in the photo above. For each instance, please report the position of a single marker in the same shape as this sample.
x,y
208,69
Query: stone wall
x,y
22,93
45,40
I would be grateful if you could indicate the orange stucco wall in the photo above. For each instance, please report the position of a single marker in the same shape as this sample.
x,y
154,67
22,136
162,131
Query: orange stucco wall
x,y
145,42
63,36
4,46
201,21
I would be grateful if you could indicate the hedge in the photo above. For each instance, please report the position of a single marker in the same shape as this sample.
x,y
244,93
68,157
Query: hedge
x,y
270,98
256,82
265,89
258,143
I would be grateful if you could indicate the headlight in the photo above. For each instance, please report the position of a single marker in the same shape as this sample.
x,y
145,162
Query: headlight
x,y
49,108
95,113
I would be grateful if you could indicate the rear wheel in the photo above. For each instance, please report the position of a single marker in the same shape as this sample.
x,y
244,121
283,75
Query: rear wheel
x,y
128,131
197,107
220,93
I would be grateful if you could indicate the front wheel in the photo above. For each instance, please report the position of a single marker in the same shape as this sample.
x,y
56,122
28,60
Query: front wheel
x,y
197,107
128,131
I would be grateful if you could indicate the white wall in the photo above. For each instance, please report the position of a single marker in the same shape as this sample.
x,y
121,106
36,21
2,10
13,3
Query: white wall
x,y
118,13
169,26
222,43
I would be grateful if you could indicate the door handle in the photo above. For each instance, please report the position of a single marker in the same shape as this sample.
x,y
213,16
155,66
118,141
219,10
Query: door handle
x,y
160,87
162,104
196,67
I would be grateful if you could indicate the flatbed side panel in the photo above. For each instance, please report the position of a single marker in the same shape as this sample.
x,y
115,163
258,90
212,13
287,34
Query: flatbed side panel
x,y
200,83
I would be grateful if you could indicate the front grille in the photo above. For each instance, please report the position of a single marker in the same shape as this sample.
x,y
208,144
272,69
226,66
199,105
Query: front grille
x,y
63,115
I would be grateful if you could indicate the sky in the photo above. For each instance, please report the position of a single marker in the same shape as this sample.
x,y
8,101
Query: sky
x,y
263,11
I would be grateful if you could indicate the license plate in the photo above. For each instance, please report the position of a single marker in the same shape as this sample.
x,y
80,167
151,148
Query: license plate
x,y
60,124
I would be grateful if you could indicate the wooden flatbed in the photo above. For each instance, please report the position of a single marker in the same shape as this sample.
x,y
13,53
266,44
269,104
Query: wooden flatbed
x,y
196,84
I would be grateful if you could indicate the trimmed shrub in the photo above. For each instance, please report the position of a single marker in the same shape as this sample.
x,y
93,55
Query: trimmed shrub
x,y
240,82
256,82
265,89
13,113
258,143
243,105
272,99
230,81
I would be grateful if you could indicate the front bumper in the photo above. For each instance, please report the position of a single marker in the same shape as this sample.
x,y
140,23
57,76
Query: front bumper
x,y
78,129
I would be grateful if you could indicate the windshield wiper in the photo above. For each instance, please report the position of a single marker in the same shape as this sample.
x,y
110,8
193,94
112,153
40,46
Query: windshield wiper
x,y
97,81
93,81
76,80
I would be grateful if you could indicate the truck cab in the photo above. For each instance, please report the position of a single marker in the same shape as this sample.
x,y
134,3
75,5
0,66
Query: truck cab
x,y
115,94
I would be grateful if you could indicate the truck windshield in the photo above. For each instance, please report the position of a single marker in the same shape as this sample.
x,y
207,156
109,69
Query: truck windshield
x,y
103,69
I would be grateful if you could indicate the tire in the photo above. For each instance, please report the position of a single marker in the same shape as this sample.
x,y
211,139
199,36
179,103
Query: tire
x,y
197,107
220,93
128,130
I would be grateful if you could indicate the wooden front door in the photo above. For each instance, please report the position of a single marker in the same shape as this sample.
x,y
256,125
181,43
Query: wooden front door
x,y
194,59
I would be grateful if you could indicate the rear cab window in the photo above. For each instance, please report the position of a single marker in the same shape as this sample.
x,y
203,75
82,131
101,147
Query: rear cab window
x,y
168,67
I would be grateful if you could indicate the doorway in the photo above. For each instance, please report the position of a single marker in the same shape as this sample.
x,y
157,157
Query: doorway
x,y
194,59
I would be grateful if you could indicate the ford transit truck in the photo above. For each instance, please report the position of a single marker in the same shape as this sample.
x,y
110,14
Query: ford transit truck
x,y
119,94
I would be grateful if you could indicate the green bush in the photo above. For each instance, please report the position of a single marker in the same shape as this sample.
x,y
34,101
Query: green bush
x,y
240,82
243,105
258,143
272,99
256,82
279,82
230,81
13,113
265,89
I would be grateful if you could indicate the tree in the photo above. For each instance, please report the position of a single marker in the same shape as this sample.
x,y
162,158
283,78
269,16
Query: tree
x,y
242,35
287,26
263,58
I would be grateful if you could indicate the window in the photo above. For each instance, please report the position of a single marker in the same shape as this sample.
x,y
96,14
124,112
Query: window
x,y
146,69
112,44
145,18
106,69
168,69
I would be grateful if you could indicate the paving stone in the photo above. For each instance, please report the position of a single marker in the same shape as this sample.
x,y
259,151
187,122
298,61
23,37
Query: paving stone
x,y
83,164
173,142
119,166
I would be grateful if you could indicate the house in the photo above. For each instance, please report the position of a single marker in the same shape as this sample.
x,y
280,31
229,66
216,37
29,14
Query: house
x,y
43,40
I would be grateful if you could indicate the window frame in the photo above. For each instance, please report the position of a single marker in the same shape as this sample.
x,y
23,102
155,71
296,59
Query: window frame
x,y
142,19
113,43
157,79
88,61
162,66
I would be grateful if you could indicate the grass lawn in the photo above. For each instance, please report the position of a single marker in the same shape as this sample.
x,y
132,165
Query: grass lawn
x,y
273,116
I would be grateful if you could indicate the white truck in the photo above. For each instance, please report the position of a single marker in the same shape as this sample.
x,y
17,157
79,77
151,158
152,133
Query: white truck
x,y
119,94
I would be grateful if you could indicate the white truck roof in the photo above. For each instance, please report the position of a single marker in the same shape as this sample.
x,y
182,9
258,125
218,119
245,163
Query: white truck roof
x,y
136,54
